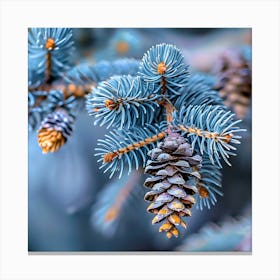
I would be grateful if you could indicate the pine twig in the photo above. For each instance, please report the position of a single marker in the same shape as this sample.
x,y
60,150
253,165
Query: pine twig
x,y
207,134
117,153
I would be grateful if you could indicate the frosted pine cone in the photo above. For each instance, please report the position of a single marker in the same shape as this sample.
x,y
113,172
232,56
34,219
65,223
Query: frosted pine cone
x,y
173,182
54,130
234,81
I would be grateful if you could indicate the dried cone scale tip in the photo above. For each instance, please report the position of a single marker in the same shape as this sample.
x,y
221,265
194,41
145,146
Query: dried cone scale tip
x,y
172,182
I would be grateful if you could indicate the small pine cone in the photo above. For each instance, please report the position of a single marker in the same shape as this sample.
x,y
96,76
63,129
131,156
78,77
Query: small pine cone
x,y
54,130
234,81
173,167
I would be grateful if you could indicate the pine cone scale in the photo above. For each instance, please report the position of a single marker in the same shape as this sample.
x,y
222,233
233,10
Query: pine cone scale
x,y
177,192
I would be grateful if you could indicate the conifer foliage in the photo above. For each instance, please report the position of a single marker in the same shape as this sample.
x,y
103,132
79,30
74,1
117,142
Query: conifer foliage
x,y
161,118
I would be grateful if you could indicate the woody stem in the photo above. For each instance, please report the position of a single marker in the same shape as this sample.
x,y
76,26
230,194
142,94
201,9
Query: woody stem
x,y
111,156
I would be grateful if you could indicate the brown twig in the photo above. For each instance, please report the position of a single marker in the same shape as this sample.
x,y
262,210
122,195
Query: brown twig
x,y
207,134
50,45
110,156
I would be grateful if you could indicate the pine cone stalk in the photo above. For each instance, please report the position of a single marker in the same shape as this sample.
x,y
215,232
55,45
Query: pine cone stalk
x,y
172,182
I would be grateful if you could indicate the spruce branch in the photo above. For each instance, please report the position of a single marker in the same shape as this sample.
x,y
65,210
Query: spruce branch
x,y
42,103
76,90
49,60
77,82
101,71
229,234
163,67
113,200
50,51
36,112
209,184
56,99
211,129
122,101
123,148
199,91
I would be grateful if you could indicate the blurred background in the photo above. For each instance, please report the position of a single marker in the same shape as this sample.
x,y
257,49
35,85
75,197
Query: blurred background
x,y
73,206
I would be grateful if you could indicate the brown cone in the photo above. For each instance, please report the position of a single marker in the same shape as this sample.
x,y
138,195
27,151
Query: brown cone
x,y
55,130
50,140
172,182
234,82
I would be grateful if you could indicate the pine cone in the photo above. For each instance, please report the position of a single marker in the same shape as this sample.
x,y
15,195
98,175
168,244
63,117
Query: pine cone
x,y
234,81
54,130
173,182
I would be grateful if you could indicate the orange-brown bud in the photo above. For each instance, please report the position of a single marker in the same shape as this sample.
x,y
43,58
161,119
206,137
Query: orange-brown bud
x,y
110,104
203,192
50,44
161,68
228,138
109,157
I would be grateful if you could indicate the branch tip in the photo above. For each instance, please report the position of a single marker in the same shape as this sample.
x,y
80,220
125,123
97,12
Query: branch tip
x,y
50,44
161,68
